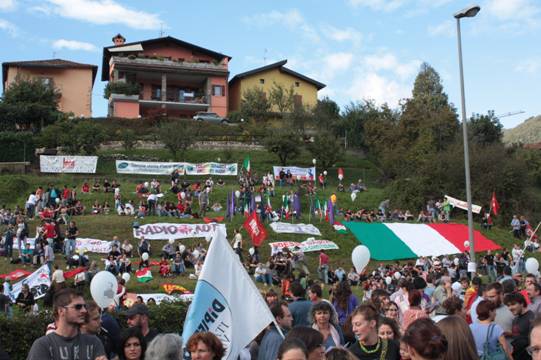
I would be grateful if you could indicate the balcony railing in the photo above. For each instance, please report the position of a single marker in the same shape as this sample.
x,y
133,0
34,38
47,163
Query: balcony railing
x,y
164,62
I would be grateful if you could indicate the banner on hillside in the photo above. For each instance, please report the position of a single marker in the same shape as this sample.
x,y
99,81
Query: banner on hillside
x,y
211,168
166,168
166,231
68,164
93,245
226,300
305,174
282,227
393,241
147,167
38,282
16,274
131,298
308,245
462,204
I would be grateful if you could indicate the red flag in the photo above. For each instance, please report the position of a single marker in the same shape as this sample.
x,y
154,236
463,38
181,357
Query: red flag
x,y
494,205
255,229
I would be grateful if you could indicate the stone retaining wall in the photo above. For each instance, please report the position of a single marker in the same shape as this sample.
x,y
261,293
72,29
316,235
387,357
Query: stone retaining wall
x,y
200,145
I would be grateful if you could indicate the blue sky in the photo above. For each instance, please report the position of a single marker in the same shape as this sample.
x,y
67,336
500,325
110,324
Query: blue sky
x,y
362,49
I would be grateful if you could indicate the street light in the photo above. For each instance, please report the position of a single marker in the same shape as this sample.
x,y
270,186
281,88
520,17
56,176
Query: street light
x,y
467,12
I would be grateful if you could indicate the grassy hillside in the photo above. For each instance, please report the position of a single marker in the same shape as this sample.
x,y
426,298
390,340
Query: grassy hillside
x,y
528,132
104,227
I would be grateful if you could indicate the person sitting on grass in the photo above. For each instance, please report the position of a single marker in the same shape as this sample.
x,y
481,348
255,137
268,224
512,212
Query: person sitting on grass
x,y
165,270
96,187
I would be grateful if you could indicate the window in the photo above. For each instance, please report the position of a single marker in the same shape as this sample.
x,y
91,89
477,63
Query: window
x,y
297,84
218,90
261,81
297,101
156,92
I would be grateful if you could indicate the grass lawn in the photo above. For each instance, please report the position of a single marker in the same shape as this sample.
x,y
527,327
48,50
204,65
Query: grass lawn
x,y
104,227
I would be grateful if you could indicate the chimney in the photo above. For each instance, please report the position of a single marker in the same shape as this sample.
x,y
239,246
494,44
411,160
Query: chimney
x,y
119,40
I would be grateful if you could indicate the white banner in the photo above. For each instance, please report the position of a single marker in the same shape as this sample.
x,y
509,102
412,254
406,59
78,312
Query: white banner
x,y
68,164
226,301
306,174
147,167
93,245
166,168
38,282
159,297
166,231
211,169
308,245
462,204
282,227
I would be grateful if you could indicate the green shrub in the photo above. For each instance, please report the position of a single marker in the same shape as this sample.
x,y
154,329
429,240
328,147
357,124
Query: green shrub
x,y
16,146
13,187
124,88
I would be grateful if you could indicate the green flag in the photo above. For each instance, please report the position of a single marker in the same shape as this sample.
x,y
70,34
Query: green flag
x,y
246,164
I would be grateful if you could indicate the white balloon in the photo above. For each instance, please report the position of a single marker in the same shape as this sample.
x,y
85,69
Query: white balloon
x,y
251,251
182,195
171,241
75,257
126,277
195,253
146,184
466,244
360,257
340,177
388,280
57,200
237,194
144,256
298,177
353,196
397,275
103,288
182,248
456,261
325,173
532,265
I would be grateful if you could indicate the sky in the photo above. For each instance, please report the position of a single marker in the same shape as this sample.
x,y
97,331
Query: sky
x,y
361,49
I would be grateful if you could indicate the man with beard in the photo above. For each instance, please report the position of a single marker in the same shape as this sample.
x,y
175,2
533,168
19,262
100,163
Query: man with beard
x,y
504,317
522,324
138,317
67,342
93,326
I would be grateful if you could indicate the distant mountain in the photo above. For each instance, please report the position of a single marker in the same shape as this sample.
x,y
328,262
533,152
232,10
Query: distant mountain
x,y
529,132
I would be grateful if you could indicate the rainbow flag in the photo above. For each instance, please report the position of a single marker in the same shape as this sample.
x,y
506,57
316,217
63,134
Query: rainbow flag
x,y
393,241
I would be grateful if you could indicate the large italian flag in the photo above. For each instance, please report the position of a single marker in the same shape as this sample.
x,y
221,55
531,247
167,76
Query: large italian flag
x,y
392,241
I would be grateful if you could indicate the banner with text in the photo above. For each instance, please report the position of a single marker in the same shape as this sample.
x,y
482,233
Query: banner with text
x,y
38,282
68,164
147,167
308,245
211,168
93,245
304,174
462,204
166,231
282,227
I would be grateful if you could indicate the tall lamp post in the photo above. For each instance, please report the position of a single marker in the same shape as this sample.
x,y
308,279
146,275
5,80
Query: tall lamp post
x,y
470,11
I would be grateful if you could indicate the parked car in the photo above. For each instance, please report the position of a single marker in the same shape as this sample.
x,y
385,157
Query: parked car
x,y
210,117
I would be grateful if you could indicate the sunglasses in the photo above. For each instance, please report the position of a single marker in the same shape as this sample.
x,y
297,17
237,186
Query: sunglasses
x,y
77,307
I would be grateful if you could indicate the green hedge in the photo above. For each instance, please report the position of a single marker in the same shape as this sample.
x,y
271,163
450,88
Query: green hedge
x,y
19,333
16,146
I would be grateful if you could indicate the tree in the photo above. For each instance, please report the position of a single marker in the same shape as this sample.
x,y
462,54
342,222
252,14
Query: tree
x,y
485,129
254,104
281,97
326,149
28,104
128,138
177,136
299,120
284,144
327,115
76,136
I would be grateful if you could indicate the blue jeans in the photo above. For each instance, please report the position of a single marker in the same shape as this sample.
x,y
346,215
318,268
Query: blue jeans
x,y
179,268
323,272
69,247
9,250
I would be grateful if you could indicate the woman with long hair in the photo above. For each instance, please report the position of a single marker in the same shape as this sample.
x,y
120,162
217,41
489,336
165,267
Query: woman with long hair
x,y
425,341
460,343
132,344
344,301
369,345
414,311
388,329
322,321
312,339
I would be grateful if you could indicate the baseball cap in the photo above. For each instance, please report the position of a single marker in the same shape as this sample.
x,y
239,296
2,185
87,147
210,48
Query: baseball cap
x,y
137,309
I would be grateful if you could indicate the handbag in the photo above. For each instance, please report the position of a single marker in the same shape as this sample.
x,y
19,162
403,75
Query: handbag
x,y
497,354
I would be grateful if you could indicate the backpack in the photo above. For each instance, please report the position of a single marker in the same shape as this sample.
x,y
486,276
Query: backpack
x,y
498,354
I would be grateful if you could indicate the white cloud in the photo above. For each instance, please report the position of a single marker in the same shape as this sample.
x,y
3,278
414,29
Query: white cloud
x,y
529,66
525,11
342,35
381,89
74,45
389,62
446,28
7,5
292,19
105,12
8,27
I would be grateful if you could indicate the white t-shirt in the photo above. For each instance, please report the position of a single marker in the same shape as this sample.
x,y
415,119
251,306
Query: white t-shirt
x,y
237,241
58,276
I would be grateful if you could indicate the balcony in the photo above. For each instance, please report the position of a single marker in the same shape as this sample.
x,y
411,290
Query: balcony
x,y
166,65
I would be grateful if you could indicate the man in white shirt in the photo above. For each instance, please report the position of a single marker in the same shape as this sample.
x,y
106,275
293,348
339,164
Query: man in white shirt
x,y
31,205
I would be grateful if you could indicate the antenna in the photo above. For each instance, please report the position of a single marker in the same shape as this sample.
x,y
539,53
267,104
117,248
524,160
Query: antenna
x,y
265,56
161,29
54,54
